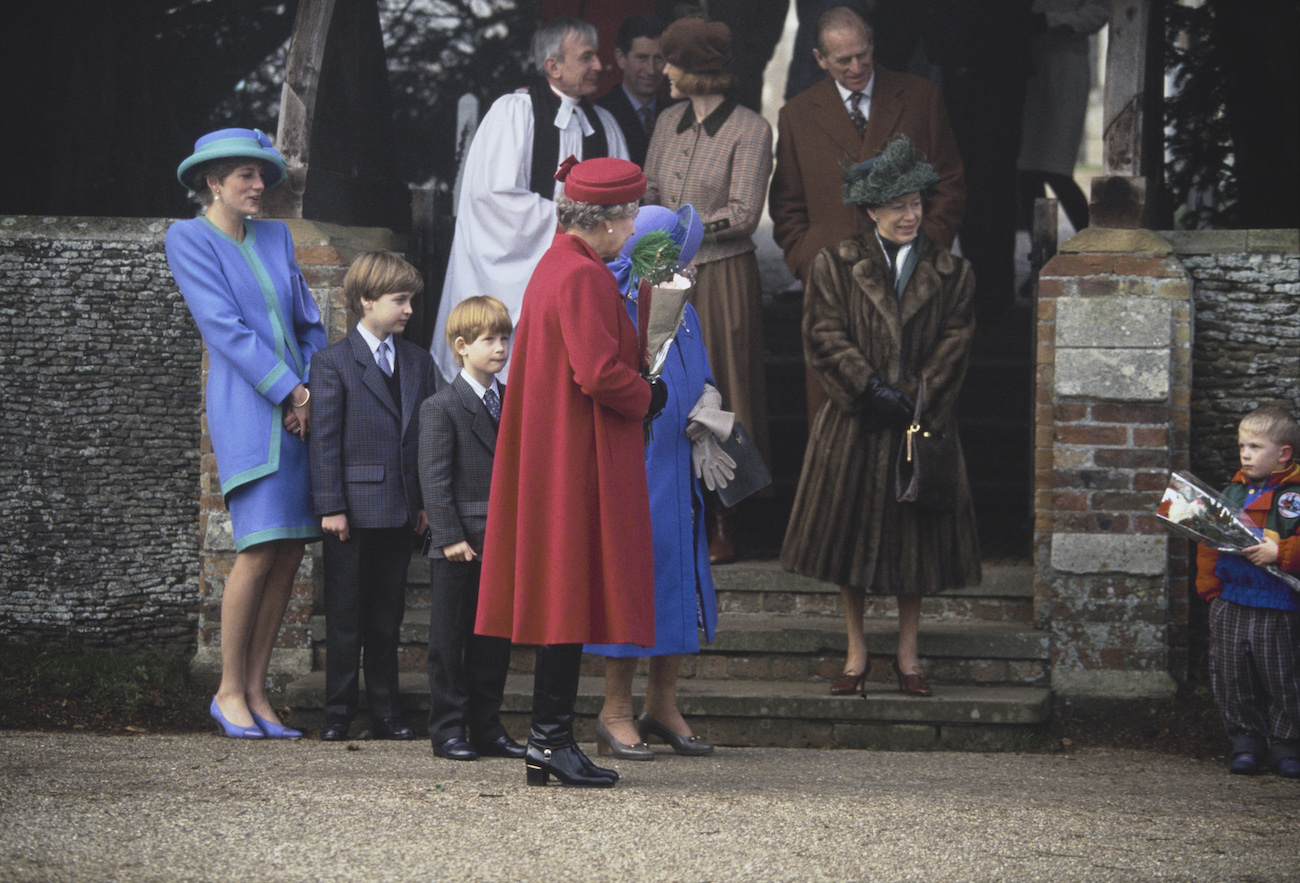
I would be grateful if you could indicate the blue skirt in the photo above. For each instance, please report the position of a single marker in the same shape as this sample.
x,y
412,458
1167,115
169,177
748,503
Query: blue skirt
x,y
275,506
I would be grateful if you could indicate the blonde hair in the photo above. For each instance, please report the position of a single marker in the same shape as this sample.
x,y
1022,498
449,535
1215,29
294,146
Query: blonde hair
x,y
376,273
473,317
1275,424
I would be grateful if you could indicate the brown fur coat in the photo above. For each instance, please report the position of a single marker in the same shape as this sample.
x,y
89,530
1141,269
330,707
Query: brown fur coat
x,y
847,526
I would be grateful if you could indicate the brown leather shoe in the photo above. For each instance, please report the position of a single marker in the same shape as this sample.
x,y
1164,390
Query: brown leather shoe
x,y
721,548
848,683
912,685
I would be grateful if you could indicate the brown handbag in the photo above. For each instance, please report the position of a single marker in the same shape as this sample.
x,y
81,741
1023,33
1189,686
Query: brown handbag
x,y
926,470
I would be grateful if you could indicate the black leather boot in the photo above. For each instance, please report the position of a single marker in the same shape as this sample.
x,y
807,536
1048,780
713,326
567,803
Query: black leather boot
x,y
551,750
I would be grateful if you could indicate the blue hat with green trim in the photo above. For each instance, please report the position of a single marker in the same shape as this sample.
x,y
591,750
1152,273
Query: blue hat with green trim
x,y
232,143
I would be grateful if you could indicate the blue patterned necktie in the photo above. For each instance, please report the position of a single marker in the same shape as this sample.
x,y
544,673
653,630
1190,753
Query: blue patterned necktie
x,y
493,402
381,358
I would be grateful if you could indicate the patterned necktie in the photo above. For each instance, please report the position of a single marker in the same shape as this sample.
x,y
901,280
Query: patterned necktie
x,y
493,402
647,119
381,358
856,113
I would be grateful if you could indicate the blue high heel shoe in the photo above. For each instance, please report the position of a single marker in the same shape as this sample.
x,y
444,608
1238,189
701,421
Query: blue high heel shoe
x,y
273,730
229,730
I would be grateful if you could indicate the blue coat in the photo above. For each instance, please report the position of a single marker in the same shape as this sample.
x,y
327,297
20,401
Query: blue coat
x,y
685,601
261,327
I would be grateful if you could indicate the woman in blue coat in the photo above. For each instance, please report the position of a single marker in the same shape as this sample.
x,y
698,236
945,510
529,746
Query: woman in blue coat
x,y
261,326
685,602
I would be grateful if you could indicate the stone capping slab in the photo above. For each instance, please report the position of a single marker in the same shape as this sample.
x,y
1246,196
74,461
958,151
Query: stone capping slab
x,y
1204,242
84,228
1101,240
1112,684
1108,553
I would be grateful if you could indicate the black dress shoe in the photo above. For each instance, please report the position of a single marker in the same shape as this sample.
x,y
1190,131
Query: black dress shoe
x,y
335,731
455,748
500,746
392,728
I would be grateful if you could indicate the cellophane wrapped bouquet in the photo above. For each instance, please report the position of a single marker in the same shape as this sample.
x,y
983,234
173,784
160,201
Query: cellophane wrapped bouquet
x,y
1192,509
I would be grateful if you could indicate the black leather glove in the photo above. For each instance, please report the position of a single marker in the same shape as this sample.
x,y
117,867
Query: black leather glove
x,y
886,407
658,397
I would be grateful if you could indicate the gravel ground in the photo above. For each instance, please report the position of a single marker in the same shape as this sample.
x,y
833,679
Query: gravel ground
x,y
82,807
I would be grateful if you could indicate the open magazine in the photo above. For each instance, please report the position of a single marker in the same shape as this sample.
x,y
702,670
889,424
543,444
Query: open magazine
x,y
1194,510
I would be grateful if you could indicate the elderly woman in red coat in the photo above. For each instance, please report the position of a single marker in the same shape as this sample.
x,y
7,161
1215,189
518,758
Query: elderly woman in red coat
x,y
567,558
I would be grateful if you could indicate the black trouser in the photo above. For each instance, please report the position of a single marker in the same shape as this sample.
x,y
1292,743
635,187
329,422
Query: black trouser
x,y
467,672
365,598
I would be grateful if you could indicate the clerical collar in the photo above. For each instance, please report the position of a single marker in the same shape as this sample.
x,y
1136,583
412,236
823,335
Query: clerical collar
x,y
846,94
713,122
568,107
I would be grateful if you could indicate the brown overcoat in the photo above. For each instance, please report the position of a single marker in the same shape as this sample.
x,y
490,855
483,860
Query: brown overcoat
x,y
815,137
846,526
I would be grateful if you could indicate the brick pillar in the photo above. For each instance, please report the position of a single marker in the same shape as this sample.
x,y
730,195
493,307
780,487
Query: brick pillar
x,y
323,252
1112,419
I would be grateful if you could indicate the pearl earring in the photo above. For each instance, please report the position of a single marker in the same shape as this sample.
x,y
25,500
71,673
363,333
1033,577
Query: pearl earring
x,y
609,229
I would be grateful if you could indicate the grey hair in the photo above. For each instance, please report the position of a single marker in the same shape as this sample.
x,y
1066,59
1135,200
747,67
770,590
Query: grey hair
x,y
587,215
841,18
548,41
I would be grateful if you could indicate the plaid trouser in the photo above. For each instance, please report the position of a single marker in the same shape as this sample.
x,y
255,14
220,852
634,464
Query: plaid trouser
x,y
1255,673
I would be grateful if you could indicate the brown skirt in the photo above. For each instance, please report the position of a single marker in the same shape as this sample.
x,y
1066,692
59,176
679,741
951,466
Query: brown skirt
x,y
728,296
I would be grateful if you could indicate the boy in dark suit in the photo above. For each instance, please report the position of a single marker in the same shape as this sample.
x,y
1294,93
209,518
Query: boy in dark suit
x,y
458,436
366,390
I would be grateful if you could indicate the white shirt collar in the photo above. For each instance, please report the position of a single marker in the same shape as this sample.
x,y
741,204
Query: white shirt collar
x,y
846,94
568,108
479,389
373,342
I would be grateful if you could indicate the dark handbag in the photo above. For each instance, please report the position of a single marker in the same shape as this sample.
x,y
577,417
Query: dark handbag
x,y
751,472
926,472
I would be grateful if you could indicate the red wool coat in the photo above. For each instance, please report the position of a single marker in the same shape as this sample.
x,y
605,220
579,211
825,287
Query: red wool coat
x,y
567,557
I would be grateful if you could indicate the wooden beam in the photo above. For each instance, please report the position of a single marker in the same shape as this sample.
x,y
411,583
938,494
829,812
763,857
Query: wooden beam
x,y
298,103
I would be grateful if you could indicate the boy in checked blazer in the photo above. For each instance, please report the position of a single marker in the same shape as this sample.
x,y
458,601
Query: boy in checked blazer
x,y
458,436
366,390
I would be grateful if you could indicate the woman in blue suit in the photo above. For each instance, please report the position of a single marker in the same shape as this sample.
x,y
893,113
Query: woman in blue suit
x,y
685,602
261,326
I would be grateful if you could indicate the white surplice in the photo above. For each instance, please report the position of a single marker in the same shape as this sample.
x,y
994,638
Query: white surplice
x,y
502,227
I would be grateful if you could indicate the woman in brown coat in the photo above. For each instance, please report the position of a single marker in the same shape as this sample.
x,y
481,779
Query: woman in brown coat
x,y
883,312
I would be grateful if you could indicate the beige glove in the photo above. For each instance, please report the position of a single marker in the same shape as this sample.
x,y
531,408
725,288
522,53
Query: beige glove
x,y
713,465
708,425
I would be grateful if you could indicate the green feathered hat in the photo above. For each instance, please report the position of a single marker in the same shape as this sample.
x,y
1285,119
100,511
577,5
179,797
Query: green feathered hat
x,y
896,171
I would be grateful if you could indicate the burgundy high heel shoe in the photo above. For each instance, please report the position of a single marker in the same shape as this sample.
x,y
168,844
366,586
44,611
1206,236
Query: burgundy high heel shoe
x,y
850,682
912,685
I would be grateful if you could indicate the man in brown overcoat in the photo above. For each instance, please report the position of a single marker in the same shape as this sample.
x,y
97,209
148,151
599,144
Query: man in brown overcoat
x,y
816,134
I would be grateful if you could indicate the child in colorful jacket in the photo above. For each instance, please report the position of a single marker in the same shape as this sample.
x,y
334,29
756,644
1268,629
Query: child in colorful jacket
x,y
1255,617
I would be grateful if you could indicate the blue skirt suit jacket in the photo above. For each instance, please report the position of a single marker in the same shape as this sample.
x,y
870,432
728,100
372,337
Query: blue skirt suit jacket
x,y
261,327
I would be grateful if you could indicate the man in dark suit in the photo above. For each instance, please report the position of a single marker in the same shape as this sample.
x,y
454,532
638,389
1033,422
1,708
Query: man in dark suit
x,y
366,390
849,117
458,439
635,102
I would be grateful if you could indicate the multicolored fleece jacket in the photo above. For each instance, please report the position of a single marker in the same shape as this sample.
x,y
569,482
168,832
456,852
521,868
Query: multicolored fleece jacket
x,y
1274,506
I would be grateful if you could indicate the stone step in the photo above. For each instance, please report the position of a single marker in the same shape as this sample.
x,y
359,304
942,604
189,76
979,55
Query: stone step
x,y
798,648
761,586
772,713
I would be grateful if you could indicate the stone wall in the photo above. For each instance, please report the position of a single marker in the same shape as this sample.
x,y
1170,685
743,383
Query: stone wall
x,y
99,459
1246,349
115,532
1124,396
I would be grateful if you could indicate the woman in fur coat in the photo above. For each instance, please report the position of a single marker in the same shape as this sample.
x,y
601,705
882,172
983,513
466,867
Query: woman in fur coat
x,y
884,312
